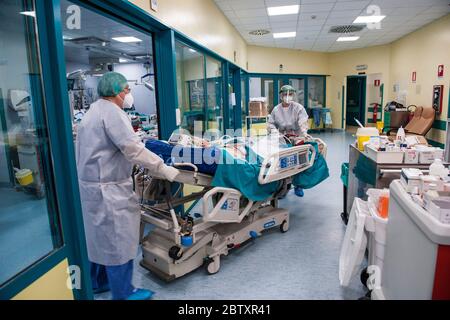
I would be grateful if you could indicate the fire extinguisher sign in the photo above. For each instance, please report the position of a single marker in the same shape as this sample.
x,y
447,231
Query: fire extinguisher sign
x,y
440,70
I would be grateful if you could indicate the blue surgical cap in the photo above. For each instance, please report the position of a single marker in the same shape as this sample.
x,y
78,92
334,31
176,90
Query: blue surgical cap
x,y
111,84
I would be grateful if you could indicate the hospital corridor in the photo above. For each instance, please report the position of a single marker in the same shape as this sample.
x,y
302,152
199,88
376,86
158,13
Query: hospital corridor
x,y
310,246
224,158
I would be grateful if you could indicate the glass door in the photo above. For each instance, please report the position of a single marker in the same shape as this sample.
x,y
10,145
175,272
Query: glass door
x,y
299,85
244,101
214,109
29,214
190,87
98,45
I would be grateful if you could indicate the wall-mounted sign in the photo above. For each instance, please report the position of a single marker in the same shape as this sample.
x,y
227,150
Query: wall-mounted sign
x,y
440,70
437,98
414,77
361,67
377,83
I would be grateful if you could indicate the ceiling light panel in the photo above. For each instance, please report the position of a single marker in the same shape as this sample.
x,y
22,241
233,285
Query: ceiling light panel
x,y
283,10
281,35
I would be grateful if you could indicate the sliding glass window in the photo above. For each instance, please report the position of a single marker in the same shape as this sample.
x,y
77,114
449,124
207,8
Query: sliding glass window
x,y
190,71
99,45
299,86
214,109
316,92
199,90
244,109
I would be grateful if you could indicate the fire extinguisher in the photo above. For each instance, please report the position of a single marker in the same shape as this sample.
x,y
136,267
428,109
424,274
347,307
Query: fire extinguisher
x,y
375,112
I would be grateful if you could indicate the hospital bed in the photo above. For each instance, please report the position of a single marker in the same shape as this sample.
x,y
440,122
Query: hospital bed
x,y
181,242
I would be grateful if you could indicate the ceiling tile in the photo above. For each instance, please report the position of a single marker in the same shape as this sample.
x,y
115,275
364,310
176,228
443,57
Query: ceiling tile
x,y
316,7
319,15
283,19
254,20
351,14
402,17
288,25
246,4
438,8
246,13
351,5
317,1
311,22
277,3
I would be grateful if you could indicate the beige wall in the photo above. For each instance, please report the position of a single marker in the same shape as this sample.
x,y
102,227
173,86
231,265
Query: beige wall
x,y
202,21
51,286
422,51
343,64
268,60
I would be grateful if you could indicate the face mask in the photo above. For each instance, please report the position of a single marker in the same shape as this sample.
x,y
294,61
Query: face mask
x,y
288,99
128,101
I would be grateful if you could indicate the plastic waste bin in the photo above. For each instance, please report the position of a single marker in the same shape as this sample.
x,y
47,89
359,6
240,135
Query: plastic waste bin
x,y
366,230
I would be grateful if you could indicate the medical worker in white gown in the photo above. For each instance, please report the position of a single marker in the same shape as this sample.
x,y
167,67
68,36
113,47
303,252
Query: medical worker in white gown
x,y
106,149
289,117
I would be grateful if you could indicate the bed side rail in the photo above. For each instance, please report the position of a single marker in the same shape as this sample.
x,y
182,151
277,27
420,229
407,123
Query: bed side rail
x,y
227,208
286,163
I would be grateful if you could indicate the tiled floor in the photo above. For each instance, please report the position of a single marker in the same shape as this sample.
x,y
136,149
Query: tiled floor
x,y
300,264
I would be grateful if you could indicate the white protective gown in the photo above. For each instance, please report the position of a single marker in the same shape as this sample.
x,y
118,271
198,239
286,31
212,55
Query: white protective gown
x,y
106,149
290,120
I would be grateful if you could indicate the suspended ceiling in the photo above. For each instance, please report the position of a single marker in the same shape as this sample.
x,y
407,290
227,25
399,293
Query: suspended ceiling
x,y
316,17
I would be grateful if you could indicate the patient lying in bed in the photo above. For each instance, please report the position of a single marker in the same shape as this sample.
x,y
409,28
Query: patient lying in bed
x,y
236,163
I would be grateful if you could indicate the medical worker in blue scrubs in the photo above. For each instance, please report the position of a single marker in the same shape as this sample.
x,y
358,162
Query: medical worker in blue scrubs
x,y
107,148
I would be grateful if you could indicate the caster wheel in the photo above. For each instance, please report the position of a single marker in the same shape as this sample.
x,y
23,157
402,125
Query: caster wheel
x,y
364,277
175,253
284,227
213,266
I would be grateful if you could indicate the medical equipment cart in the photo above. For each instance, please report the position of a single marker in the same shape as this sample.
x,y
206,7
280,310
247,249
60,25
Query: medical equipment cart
x,y
417,252
365,173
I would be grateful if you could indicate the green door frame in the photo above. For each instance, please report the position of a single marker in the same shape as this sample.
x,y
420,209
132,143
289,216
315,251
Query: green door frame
x,y
234,73
62,152
5,140
284,78
226,66
51,47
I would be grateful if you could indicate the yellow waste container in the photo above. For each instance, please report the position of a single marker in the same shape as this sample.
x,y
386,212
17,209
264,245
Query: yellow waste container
x,y
380,126
25,177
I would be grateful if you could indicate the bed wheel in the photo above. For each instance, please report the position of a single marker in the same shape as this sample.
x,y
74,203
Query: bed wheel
x,y
175,253
364,277
284,227
213,265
